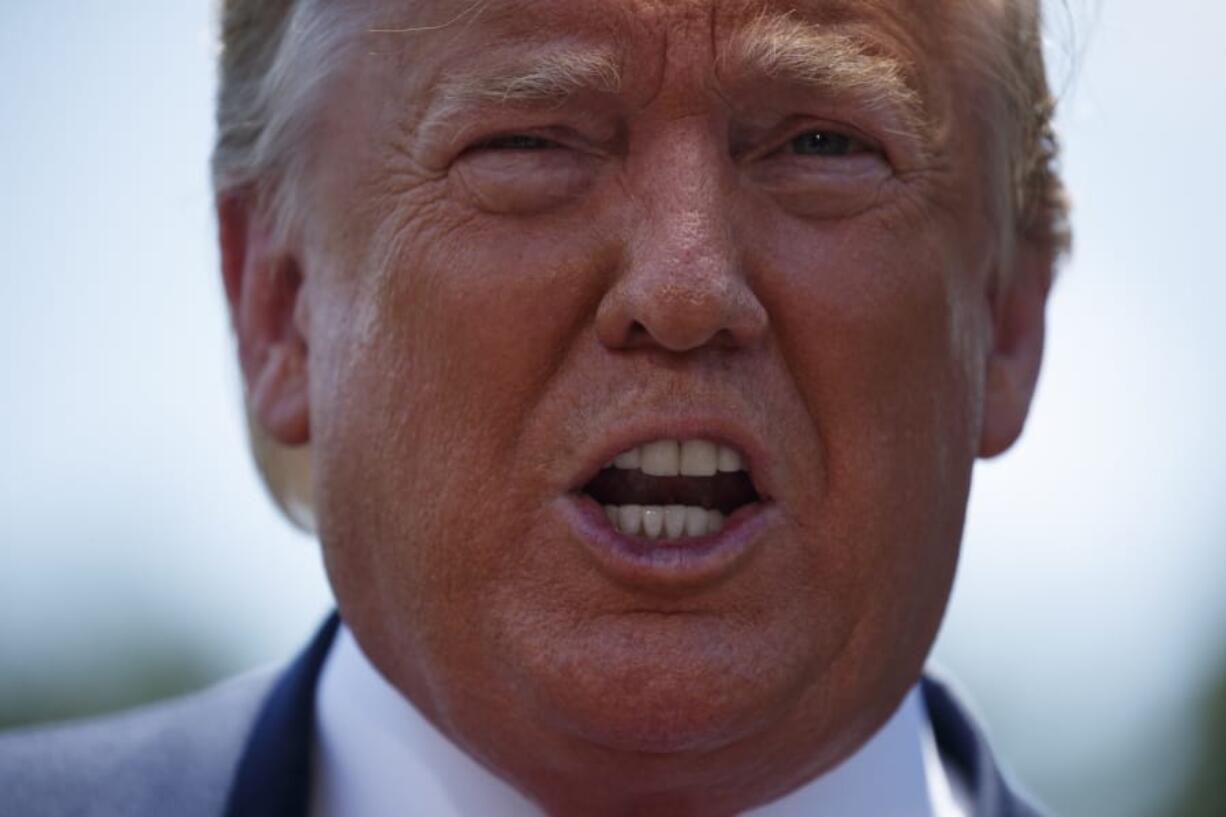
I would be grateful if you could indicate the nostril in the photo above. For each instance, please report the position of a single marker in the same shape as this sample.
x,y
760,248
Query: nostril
x,y
726,339
680,325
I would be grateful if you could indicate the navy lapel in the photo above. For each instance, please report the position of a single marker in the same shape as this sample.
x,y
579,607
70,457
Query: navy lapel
x,y
274,775
961,745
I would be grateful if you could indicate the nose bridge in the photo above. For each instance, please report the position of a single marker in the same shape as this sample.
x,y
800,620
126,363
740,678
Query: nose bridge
x,y
683,285
685,185
688,231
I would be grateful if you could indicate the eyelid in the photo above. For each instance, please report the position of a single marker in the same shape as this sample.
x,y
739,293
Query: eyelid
x,y
585,136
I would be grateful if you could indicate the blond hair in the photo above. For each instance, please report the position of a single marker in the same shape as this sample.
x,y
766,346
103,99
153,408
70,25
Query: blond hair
x,y
275,55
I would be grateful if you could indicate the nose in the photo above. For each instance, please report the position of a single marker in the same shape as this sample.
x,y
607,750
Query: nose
x,y
682,285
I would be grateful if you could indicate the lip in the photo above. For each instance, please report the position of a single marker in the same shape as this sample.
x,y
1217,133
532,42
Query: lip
x,y
663,565
716,431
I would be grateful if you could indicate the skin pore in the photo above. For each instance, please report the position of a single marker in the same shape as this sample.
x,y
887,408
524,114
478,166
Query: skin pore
x,y
537,228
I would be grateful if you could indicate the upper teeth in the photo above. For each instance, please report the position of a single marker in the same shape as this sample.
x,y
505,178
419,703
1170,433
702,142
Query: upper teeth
x,y
671,458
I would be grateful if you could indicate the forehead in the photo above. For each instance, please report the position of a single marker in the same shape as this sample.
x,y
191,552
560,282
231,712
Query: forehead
x,y
609,15
643,31
427,49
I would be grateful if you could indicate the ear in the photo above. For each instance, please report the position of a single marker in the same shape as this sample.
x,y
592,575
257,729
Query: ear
x,y
1019,327
263,282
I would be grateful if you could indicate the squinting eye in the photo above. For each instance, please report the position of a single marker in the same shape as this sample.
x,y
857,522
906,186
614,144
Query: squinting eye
x,y
517,141
824,143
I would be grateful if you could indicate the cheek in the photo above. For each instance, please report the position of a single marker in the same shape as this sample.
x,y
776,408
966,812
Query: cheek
x,y
878,324
872,321
464,316
445,355
486,313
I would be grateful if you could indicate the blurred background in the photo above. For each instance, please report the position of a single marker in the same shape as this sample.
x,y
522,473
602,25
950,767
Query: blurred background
x,y
139,555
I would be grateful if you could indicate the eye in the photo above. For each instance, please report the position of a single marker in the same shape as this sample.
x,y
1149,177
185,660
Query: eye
x,y
516,141
822,172
825,143
523,173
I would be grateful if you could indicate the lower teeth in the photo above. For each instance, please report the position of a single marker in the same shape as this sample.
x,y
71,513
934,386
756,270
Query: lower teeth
x,y
664,522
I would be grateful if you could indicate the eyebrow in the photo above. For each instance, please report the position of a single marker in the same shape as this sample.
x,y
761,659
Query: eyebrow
x,y
785,48
545,78
782,47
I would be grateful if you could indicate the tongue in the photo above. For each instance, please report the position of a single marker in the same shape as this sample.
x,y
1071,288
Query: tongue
x,y
723,492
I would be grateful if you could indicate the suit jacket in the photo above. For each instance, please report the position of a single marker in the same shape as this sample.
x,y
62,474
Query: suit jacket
x,y
243,749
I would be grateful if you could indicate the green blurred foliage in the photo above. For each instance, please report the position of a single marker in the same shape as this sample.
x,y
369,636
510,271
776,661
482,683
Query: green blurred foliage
x,y
1205,792
134,673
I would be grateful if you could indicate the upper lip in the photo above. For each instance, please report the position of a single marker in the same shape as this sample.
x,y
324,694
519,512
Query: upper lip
x,y
645,430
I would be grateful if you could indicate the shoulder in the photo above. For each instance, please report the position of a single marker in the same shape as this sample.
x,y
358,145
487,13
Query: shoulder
x,y
174,757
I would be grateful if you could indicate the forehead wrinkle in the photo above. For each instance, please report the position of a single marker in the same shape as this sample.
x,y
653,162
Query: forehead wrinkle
x,y
785,48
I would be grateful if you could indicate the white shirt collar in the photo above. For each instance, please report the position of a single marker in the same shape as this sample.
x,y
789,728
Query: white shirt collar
x,y
375,755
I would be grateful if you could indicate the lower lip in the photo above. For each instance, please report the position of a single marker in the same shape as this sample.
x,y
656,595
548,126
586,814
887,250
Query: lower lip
x,y
667,564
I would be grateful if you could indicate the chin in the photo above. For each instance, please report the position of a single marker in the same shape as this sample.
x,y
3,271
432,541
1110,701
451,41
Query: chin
x,y
667,685
669,723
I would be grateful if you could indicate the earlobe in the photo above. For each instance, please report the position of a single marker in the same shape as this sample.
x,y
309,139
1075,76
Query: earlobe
x,y
264,288
1013,363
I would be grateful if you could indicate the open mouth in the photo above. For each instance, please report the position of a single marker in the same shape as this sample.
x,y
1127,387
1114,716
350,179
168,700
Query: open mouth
x,y
673,489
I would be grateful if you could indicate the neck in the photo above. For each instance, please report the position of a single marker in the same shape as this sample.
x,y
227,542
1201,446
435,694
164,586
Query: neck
x,y
361,715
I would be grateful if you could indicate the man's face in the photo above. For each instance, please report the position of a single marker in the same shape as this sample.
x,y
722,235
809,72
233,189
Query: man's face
x,y
548,232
